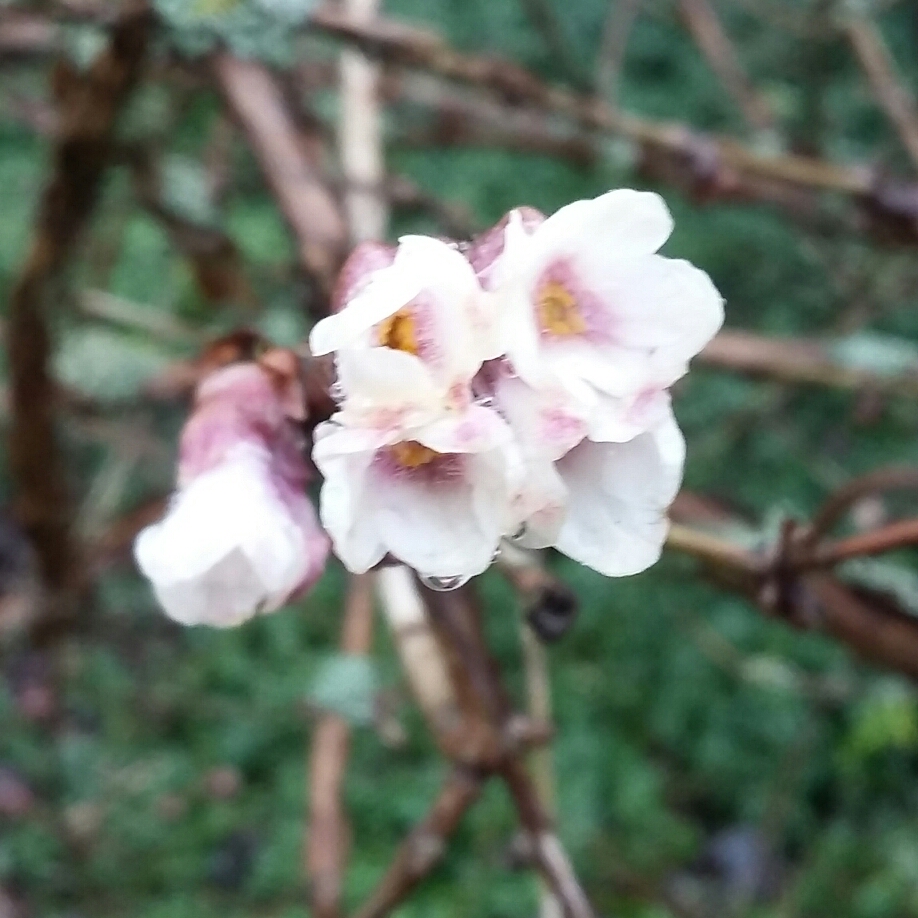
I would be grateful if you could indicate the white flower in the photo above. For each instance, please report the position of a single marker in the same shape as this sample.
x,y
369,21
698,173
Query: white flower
x,y
430,486
618,495
427,303
232,544
586,302
240,535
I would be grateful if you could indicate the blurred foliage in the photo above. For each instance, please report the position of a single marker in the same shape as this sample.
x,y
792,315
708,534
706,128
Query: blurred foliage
x,y
705,754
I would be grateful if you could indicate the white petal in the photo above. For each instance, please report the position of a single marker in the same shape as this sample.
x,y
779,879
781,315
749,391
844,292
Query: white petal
x,y
663,312
541,506
616,420
618,496
443,522
384,386
548,422
622,223
454,318
473,430
388,291
226,532
343,506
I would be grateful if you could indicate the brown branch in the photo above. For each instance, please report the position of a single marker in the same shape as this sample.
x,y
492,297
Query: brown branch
x,y
329,834
214,257
892,478
799,361
421,655
901,534
547,852
295,178
545,20
877,63
715,44
89,106
360,136
424,848
711,167
872,628
615,34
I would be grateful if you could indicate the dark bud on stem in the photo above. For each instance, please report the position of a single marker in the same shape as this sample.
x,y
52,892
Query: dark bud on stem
x,y
553,612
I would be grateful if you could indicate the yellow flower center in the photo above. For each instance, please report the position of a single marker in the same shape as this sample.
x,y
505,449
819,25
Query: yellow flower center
x,y
410,454
398,332
557,309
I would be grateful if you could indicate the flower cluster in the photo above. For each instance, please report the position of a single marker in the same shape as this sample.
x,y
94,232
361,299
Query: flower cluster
x,y
514,389
240,536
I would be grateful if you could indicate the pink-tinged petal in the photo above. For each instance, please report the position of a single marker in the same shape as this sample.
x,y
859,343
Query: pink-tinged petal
x,y
540,506
663,310
616,420
548,422
387,291
367,258
343,506
428,517
451,320
315,541
229,545
485,250
472,430
234,404
618,496
385,388
622,223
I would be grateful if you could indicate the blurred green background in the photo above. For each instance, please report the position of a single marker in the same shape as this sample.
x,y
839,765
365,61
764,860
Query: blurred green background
x,y
711,762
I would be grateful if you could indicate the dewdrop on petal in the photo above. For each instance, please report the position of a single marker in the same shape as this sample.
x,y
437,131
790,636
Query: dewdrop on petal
x,y
240,535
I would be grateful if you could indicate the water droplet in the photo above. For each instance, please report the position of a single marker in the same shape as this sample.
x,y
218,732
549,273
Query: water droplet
x,y
336,391
485,401
520,533
444,584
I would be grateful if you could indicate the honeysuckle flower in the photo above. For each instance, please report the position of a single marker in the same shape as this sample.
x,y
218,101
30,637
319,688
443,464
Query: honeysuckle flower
x,y
431,487
240,536
585,302
427,303
617,498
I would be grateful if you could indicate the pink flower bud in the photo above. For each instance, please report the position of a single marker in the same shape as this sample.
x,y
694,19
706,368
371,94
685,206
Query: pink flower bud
x,y
240,536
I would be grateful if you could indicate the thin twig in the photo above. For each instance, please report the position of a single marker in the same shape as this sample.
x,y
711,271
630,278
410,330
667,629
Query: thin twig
x,y
360,136
89,107
892,478
421,656
546,21
424,848
296,181
715,44
401,45
800,361
887,85
329,834
901,534
615,34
